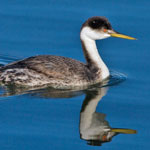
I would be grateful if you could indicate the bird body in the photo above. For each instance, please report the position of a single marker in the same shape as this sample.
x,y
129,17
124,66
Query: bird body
x,y
56,71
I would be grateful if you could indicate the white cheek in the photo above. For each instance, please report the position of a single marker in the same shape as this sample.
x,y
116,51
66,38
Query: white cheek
x,y
93,34
102,36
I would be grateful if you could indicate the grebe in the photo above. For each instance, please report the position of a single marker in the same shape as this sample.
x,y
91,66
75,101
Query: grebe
x,y
61,72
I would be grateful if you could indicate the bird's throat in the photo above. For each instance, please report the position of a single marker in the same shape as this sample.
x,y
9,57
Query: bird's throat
x,y
92,56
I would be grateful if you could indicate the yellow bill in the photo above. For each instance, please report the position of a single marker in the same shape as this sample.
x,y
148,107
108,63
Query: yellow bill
x,y
125,131
122,36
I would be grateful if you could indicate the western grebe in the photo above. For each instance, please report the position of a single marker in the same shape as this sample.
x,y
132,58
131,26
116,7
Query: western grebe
x,y
61,72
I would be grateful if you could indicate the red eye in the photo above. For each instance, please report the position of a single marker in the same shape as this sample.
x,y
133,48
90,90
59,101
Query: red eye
x,y
104,138
105,30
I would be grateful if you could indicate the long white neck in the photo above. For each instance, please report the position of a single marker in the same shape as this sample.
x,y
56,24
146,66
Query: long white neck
x,y
91,54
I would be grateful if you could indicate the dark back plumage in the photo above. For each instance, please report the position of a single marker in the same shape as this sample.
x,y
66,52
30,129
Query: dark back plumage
x,y
52,68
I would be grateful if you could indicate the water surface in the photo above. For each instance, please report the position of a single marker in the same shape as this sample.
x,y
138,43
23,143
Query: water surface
x,y
34,121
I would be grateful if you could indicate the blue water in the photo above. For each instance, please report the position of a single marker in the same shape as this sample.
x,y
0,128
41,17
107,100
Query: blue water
x,y
40,120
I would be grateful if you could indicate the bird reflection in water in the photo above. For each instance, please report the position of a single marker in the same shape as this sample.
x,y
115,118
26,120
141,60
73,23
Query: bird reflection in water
x,y
93,126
